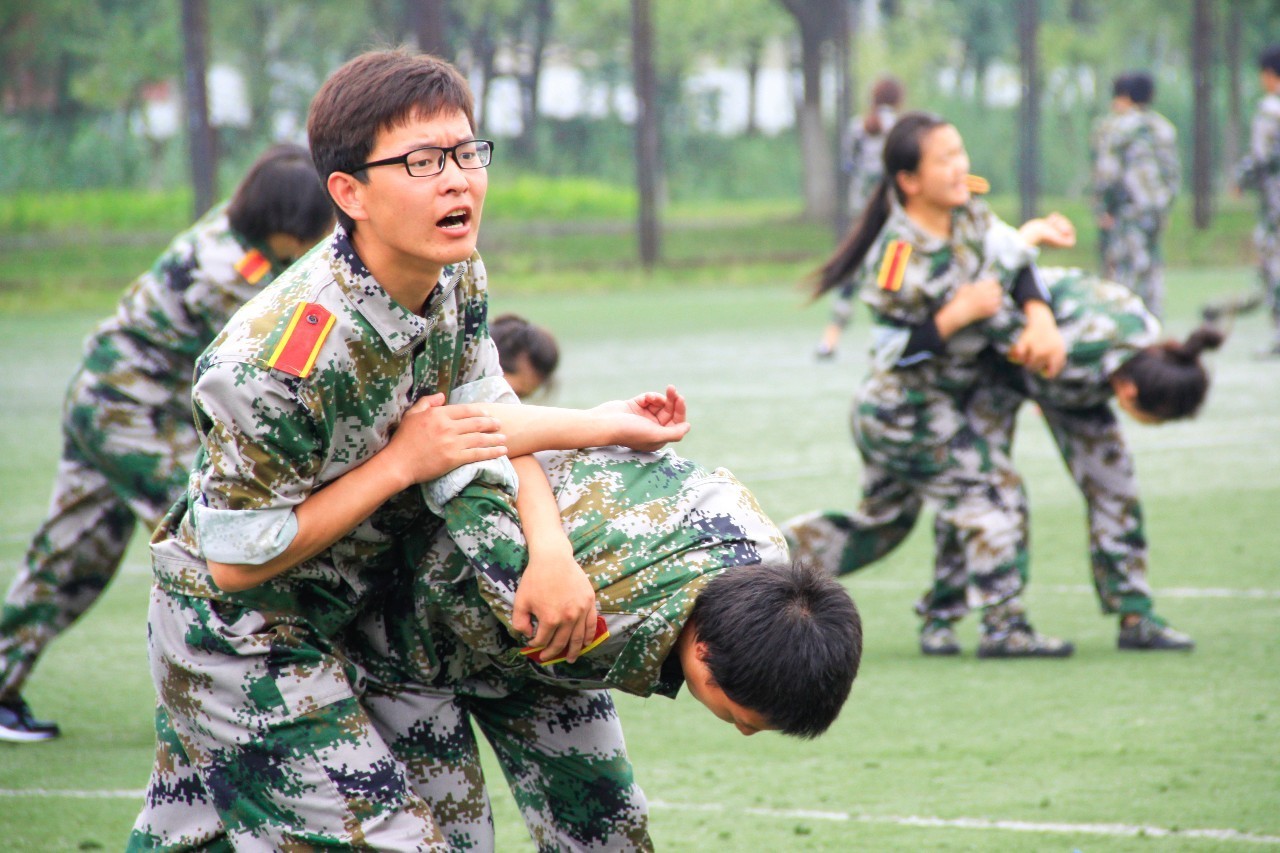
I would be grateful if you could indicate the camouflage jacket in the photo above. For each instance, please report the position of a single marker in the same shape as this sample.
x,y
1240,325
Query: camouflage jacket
x,y
1103,325
649,529
909,274
306,382
1260,168
148,348
1136,171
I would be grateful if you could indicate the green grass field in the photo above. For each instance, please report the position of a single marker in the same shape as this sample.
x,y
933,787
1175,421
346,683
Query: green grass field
x,y
1102,752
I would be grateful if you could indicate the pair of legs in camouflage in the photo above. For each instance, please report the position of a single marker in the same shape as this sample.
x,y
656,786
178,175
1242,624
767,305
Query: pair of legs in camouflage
x,y
1131,255
122,462
906,462
271,738
1093,448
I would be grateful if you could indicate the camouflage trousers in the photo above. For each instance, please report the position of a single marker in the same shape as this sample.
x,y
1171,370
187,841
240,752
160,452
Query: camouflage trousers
x,y
122,462
269,737
1131,256
970,481
842,303
1093,448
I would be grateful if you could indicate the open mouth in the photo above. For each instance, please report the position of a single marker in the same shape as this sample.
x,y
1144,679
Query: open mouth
x,y
455,219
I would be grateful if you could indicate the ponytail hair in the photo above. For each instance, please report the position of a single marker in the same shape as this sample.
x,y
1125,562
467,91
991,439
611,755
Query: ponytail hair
x,y
1170,379
901,154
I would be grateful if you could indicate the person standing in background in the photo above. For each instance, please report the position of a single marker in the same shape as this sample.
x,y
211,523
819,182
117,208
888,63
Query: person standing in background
x,y
1136,174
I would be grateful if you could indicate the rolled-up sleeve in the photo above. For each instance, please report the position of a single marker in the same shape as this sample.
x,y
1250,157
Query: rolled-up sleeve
x,y
262,458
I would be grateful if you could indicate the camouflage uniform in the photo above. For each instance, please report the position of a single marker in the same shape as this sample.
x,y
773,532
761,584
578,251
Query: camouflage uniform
x,y
864,161
275,741
1103,326
650,530
128,440
909,418
1135,178
1260,171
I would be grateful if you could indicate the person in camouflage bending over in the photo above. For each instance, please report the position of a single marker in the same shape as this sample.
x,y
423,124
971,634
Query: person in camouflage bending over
x,y
692,587
320,410
128,440
1136,174
1112,352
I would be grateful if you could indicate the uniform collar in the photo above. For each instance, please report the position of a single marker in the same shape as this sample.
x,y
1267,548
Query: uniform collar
x,y
399,327
966,222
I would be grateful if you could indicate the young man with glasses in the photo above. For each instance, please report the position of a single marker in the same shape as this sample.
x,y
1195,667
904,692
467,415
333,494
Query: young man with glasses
x,y
321,408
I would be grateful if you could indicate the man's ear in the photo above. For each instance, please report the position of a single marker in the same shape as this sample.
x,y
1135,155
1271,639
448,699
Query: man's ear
x,y
347,193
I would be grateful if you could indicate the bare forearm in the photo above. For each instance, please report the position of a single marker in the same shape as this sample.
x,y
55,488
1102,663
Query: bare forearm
x,y
529,429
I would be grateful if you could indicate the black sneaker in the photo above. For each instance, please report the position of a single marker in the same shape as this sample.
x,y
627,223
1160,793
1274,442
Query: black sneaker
x,y
1150,633
18,726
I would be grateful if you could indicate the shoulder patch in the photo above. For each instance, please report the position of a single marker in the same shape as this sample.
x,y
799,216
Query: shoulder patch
x,y
977,184
296,353
894,265
253,266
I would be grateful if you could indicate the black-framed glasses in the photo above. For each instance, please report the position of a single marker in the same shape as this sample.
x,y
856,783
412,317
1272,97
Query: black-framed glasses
x,y
426,162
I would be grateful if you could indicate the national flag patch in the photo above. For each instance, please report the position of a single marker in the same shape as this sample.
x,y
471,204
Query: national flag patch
x,y
296,353
894,265
253,266
602,634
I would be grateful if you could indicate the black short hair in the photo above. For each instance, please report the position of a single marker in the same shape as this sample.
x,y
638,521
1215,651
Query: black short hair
x,y
371,93
1269,59
1141,87
515,336
1120,86
280,194
782,640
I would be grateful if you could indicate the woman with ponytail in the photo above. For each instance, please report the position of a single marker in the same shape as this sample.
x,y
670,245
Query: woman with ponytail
x,y
932,262
864,161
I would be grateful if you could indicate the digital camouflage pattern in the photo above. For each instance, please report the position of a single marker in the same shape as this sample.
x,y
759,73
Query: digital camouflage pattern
x,y
650,530
128,440
1136,175
258,692
1102,324
1259,171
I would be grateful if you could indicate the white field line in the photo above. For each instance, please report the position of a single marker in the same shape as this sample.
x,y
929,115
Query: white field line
x,y
1083,589
1112,829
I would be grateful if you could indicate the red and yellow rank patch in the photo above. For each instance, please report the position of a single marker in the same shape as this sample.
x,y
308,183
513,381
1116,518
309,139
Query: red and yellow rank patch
x,y
253,266
894,265
296,353
602,634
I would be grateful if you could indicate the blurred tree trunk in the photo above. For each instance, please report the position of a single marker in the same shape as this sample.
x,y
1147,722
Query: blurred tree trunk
x,y
1029,108
818,21
484,51
1202,140
429,24
200,141
753,87
1235,107
648,139
531,80
842,38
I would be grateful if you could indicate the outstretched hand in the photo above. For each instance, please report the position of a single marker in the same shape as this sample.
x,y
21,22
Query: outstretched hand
x,y
650,420
1053,230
